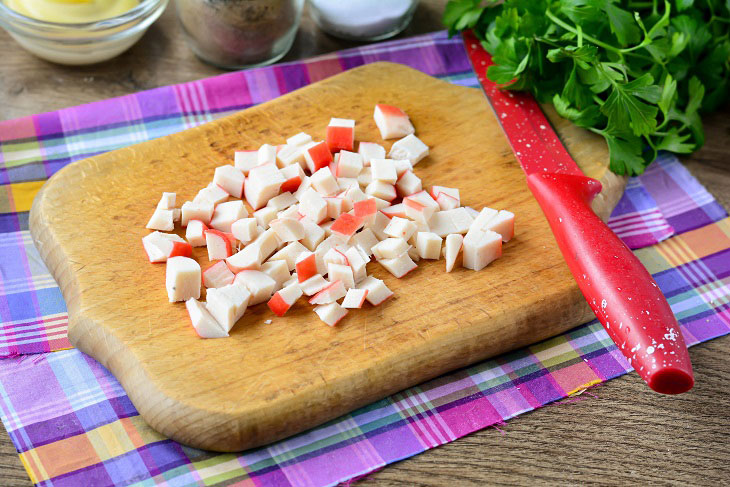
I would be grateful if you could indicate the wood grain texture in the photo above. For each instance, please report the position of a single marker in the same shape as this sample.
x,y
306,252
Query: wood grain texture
x,y
269,381
558,444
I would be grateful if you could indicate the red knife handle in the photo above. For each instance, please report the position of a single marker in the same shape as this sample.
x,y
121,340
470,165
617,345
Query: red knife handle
x,y
620,291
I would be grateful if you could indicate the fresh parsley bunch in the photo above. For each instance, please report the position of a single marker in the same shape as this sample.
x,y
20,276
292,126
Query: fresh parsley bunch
x,y
637,72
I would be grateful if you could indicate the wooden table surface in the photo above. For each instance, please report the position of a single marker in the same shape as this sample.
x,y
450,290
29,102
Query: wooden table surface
x,y
619,433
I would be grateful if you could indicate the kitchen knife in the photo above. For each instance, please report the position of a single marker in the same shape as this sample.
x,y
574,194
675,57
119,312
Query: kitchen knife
x,y
619,290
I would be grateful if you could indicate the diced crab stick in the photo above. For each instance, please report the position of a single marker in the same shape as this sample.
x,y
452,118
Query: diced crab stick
x,y
314,284
247,258
408,184
246,160
390,248
504,224
354,298
289,254
458,220
364,241
392,121
217,275
378,292
226,213
379,225
349,164
282,201
409,147
330,313
346,183
260,285
417,210
334,206
244,230
317,156
288,229
338,272
227,304
481,248
370,151
203,322
313,235
452,248
313,206
219,244
230,179
161,220
263,183
329,294
397,210
402,166
428,245
447,198
306,266
381,189
266,155
299,139
211,194
202,211
195,233
278,270
346,225
366,210
161,246
290,155
182,279
383,170
399,266
365,177
340,134
400,227
293,177
284,298
264,216
358,264
167,201
324,182
335,256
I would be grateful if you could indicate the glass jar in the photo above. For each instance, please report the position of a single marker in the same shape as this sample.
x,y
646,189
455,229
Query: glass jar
x,y
236,34
362,20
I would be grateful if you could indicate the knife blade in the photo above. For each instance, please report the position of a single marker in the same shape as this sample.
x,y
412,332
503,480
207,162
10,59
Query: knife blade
x,y
620,291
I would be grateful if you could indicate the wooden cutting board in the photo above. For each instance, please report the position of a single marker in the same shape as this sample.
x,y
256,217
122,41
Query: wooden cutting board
x,y
268,381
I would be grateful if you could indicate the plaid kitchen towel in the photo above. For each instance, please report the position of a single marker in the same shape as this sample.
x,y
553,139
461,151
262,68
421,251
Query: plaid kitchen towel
x,y
73,424
33,315
53,404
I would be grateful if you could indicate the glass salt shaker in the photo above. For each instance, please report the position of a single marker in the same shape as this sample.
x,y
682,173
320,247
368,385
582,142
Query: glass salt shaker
x,y
362,20
237,34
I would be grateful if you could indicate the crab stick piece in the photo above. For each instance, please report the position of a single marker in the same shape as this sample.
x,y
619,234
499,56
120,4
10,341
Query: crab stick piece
x,y
219,244
378,292
289,254
340,134
366,210
329,294
418,210
264,216
211,194
161,246
346,225
260,285
246,160
306,266
293,177
503,223
161,220
335,256
383,170
290,155
399,266
394,210
447,198
365,241
244,230
278,270
358,264
203,322
428,245
217,275
225,214
228,304
370,151
452,248
392,122
334,206
182,279
313,206
313,235
330,313
381,189
354,298
167,201
299,139
409,147
379,225
263,183
317,155
481,248
400,227
230,179
313,285
202,211
346,183
408,184
343,273
266,155
284,298
324,182
365,177
390,248
349,164
288,229
195,233
282,201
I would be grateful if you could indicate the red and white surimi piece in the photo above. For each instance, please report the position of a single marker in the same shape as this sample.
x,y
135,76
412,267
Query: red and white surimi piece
x,y
313,206
266,155
390,248
349,164
313,235
226,213
394,210
161,246
339,272
217,275
299,140
408,184
366,210
504,224
324,182
400,228
288,229
354,298
195,233
246,160
263,183
278,270
219,244
370,151
399,266
481,248
330,313
230,179
358,264
452,247
392,121
428,245
334,206
420,206
282,201
317,155
306,266
340,134
314,284
284,298
378,292
203,322
227,304
161,220
329,294
202,211
383,170
290,155
243,230
409,147
182,279
293,177
381,189
346,225
264,216
211,194
167,201
260,285
447,198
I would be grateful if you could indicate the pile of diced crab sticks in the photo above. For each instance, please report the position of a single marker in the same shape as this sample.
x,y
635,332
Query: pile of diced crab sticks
x,y
321,212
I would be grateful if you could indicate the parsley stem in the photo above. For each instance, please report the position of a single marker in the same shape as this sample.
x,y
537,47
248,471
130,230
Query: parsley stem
x,y
572,29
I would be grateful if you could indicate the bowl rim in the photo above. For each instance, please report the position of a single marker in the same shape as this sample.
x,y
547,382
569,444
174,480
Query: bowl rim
x,y
144,8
